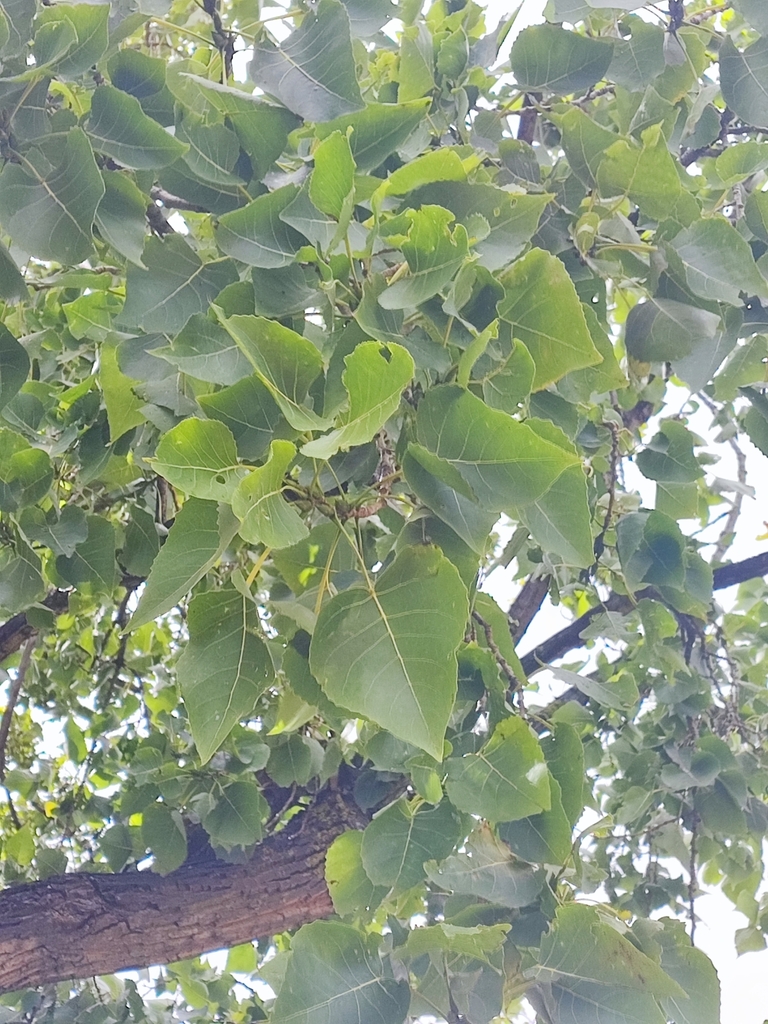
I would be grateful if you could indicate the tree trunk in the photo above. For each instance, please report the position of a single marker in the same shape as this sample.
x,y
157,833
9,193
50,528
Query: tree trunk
x,y
79,925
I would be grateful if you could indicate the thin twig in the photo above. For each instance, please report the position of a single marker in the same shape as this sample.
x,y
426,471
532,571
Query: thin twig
x,y
692,877
729,527
13,696
710,12
501,661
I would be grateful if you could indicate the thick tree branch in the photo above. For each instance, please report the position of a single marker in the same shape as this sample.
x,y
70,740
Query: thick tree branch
x,y
15,631
526,605
79,925
569,639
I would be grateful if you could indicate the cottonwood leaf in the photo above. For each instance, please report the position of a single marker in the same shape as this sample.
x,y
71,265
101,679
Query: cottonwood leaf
x,y
250,412
504,462
433,254
718,262
744,79
620,693
541,838
401,838
543,307
93,562
257,235
119,127
284,361
200,533
14,366
377,131
200,458
666,330
265,516
212,150
333,975
550,57
487,869
163,832
121,216
49,207
203,349
175,285
506,780
351,889
389,651
313,72
374,378
224,668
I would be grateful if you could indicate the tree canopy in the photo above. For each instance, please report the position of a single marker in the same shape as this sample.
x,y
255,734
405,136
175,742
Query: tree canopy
x,y
288,367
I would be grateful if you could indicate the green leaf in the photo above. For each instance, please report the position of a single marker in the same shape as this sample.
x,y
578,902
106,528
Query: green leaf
x,y
285,362
257,235
333,975
212,150
433,254
405,835
332,184
506,780
121,216
580,385
549,57
261,128
119,127
744,79
18,16
755,13
163,832
620,693
313,72
374,378
236,820
488,870
250,412
25,472
14,366
49,207
124,408
544,309
694,973
141,545
718,262
584,142
669,455
476,942
93,562
200,533
265,517
70,38
639,59
658,330
203,349
61,534
442,489
436,165
560,519
597,975
564,752
541,838
21,581
737,163
224,668
351,889
649,176
200,457
377,131
175,285
416,72
12,284
388,652
505,463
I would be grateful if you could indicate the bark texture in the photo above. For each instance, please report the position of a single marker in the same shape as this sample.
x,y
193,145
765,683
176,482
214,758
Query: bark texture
x,y
79,925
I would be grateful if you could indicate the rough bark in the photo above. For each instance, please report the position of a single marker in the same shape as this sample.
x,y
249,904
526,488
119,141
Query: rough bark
x,y
79,925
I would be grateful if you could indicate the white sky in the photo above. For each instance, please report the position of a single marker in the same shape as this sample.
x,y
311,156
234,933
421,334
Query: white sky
x,y
744,980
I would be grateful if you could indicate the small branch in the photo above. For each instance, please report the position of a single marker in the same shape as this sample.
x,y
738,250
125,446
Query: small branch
x,y
158,223
13,696
709,12
569,639
526,605
501,661
611,479
172,202
526,129
692,877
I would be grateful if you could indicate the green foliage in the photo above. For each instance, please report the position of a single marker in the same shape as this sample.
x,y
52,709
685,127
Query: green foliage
x,y
294,372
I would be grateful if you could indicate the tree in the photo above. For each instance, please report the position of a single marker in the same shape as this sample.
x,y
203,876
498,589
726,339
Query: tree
x,y
284,376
